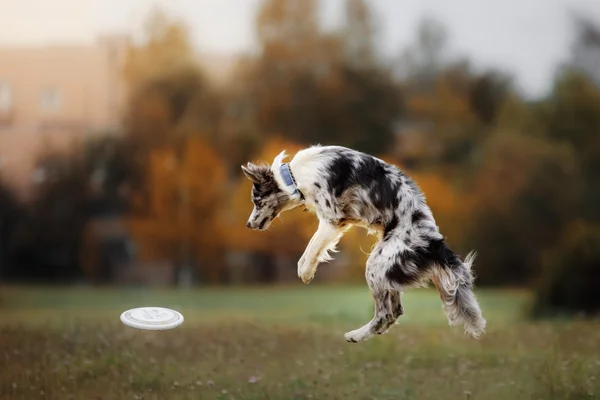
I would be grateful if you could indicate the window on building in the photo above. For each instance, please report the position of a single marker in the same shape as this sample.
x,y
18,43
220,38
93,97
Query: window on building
x,y
50,99
5,96
39,175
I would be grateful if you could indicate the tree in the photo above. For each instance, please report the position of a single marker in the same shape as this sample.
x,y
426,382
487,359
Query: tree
x,y
95,178
585,50
166,48
359,35
424,60
307,87
185,189
170,97
487,93
572,115
526,190
450,107
11,214
570,279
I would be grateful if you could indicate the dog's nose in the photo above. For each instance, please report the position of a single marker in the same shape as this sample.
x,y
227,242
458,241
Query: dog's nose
x,y
248,224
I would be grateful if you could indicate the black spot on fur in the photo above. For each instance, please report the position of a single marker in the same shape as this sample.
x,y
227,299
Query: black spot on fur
x,y
417,216
398,275
327,203
317,185
371,173
390,227
424,258
384,194
268,191
439,253
397,308
267,185
263,222
340,176
381,323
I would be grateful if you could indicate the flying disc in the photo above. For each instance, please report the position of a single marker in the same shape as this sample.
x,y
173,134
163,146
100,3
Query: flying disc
x,y
152,318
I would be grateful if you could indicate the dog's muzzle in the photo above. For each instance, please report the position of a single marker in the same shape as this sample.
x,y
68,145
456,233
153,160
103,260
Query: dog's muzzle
x,y
254,225
257,224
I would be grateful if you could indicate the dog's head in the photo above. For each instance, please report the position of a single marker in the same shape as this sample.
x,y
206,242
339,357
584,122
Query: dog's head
x,y
268,199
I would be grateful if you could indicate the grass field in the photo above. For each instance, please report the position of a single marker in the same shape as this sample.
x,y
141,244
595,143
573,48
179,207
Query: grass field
x,y
284,343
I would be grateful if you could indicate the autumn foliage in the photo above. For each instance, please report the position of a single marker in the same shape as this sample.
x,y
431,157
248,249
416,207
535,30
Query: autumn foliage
x,y
183,192
504,175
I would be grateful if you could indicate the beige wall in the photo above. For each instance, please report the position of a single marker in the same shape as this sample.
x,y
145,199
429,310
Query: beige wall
x,y
90,93
91,97
86,78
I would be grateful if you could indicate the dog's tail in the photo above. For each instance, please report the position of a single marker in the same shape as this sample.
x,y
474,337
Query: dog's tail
x,y
454,280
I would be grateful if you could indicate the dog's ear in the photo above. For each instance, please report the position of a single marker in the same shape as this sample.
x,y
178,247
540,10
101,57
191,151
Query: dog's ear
x,y
252,172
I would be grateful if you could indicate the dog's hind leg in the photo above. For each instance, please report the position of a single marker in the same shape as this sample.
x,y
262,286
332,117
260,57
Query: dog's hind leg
x,y
388,306
396,303
387,310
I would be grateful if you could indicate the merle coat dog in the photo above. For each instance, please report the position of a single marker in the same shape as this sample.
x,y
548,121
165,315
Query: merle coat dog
x,y
346,188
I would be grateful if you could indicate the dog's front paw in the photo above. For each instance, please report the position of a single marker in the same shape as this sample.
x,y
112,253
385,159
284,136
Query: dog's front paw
x,y
306,275
305,272
307,278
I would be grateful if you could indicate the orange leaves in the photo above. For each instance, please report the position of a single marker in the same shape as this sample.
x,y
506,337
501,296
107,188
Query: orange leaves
x,y
441,197
153,109
443,104
355,248
275,146
202,173
185,190
513,163
449,206
419,105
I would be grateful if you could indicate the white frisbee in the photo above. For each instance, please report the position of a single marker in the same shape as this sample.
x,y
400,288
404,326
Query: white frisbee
x,y
152,318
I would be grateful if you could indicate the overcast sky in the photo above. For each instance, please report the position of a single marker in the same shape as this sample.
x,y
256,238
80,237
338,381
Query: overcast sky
x,y
527,37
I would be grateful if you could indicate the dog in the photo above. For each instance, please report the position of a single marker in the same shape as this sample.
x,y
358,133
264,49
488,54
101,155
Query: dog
x,y
345,188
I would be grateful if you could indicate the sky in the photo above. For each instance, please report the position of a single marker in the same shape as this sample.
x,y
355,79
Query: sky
x,y
528,38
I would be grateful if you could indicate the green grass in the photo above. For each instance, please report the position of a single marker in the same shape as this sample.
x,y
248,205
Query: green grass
x,y
284,343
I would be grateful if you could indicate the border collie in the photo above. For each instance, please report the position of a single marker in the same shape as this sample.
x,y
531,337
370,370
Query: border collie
x,y
346,188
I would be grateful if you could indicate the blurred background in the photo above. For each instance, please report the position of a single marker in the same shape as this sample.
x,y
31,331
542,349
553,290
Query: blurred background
x,y
123,126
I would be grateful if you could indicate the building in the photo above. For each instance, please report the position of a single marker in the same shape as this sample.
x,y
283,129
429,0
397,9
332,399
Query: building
x,y
52,96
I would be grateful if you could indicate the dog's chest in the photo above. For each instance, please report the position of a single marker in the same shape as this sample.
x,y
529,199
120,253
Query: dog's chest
x,y
311,205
